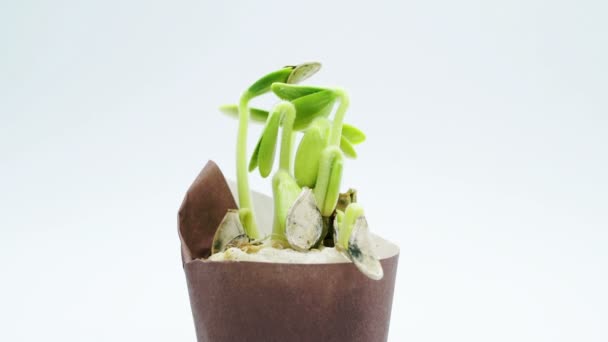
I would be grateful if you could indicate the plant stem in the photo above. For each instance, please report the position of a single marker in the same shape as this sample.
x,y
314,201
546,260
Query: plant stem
x,y
292,153
284,188
242,176
352,213
288,116
336,131
328,181
327,188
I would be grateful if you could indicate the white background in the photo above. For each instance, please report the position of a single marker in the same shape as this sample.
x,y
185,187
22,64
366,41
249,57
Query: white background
x,y
486,158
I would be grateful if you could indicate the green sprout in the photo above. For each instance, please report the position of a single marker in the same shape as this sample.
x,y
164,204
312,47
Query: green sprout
x,y
308,204
291,74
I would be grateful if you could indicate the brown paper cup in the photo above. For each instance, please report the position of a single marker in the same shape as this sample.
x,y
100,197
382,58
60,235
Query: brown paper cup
x,y
253,301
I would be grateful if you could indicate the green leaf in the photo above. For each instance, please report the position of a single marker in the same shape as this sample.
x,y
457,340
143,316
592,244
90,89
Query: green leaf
x,y
231,110
253,162
262,85
291,92
256,114
268,144
306,164
303,71
347,148
353,134
312,106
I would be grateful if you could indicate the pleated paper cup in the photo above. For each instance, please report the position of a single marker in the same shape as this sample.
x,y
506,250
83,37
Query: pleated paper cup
x,y
257,301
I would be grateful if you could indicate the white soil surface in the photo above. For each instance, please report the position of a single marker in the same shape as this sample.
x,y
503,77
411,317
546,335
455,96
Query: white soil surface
x,y
325,255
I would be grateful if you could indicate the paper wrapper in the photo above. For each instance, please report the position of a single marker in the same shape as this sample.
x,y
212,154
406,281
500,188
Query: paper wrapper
x,y
254,301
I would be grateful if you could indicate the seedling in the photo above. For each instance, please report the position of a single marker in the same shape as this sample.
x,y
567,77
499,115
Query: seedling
x,y
306,192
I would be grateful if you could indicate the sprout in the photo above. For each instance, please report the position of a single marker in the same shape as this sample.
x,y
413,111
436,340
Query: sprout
x,y
308,204
353,238
263,155
360,250
260,87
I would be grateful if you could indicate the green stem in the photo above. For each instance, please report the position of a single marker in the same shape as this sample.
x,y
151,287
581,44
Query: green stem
x,y
352,213
288,114
242,176
292,153
336,131
327,188
284,187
